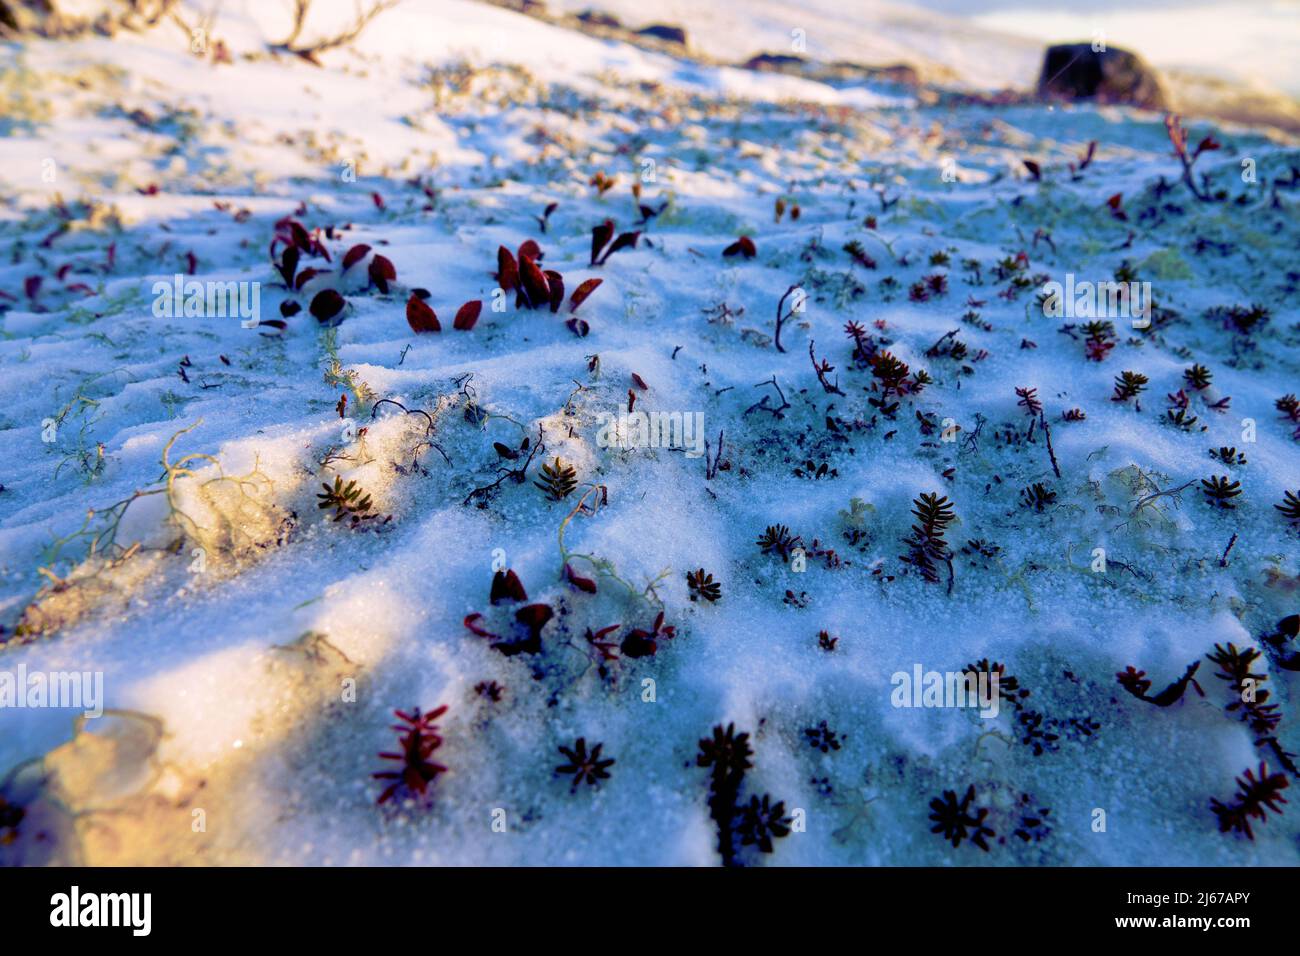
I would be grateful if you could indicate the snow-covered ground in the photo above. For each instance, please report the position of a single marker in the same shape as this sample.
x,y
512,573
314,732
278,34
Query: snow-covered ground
x,y
159,519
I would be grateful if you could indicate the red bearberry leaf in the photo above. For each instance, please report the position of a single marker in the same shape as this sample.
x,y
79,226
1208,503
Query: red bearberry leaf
x,y
327,305
536,288
742,246
507,269
471,622
467,315
354,255
579,582
600,237
506,586
625,240
382,273
288,264
556,283
581,292
420,317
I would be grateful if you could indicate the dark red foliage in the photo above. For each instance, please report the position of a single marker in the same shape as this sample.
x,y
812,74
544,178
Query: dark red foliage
x,y
555,284
1254,794
1137,684
532,618
507,269
472,622
582,584
288,265
642,643
417,739
597,640
581,292
327,306
354,255
744,246
467,316
420,316
600,237
382,272
506,586
536,290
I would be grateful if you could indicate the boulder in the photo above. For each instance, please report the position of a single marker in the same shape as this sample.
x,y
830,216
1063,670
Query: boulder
x,y
596,18
662,31
1077,71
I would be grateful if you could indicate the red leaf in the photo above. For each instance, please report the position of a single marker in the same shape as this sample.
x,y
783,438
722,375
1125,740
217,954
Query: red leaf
x,y
742,246
600,237
471,622
534,617
529,249
624,241
300,237
354,255
467,315
327,305
506,586
581,292
1035,170
420,317
32,285
382,272
507,269
306,276
556,283
536,288
288,264
579,582
578,327
378,200
639,382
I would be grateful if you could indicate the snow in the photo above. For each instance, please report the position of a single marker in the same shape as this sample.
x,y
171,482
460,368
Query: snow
x,y
258,685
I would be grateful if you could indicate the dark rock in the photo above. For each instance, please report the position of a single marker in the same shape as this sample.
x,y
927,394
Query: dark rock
x,y
776,63
1076,71
595,18
668,34
898,73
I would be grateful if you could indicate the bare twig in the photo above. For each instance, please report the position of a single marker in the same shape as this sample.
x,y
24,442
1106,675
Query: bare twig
x,y
1042,420
763,404
310,51
711,467
520,474
1223,561
781,319
823,369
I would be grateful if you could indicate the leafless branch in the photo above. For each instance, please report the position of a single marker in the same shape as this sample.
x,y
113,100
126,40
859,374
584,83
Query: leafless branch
x,y
310,51
823,369
763,404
